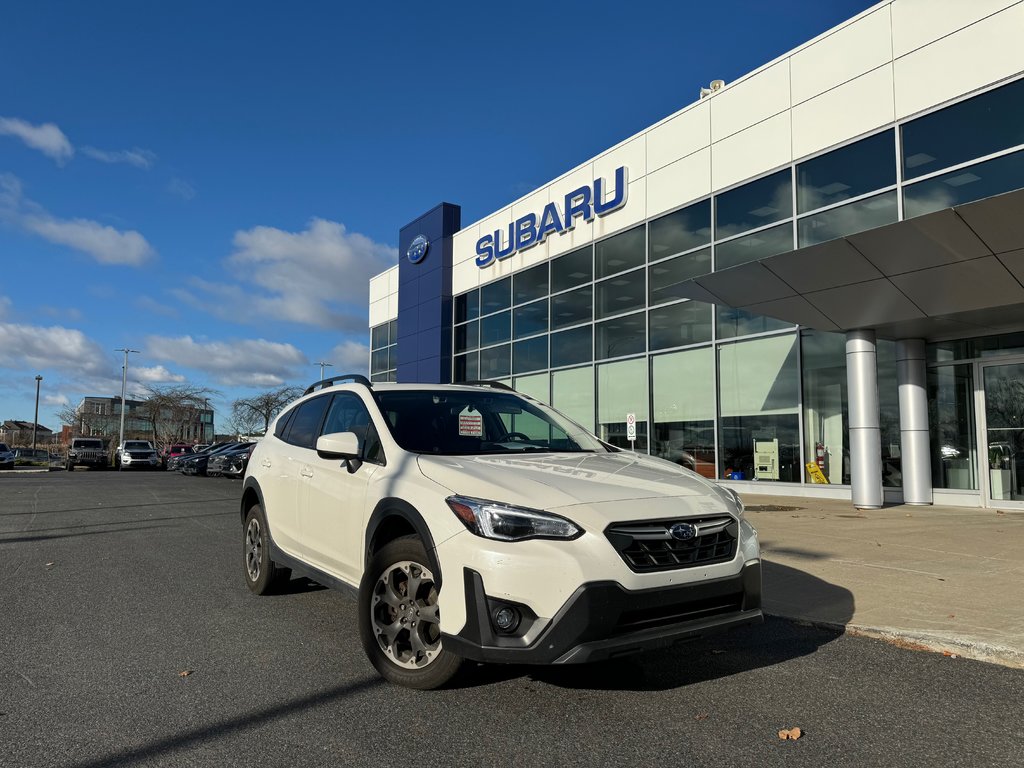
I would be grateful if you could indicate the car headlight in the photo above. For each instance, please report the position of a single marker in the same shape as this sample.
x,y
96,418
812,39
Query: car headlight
x,y
493,520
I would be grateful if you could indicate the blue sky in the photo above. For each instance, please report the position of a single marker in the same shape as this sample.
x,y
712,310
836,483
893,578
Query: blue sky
x,y
214,183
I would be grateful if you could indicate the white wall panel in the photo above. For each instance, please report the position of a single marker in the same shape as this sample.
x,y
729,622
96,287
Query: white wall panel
x,y
851,109
758,97
393,280
632,213
679,183
916,23
392,306
379,312
379,287
853,50
683,135
760,148
632,154
464,244
465,277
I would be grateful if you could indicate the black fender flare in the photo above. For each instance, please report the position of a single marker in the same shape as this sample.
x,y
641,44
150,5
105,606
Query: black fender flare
x,y
252,484
395,507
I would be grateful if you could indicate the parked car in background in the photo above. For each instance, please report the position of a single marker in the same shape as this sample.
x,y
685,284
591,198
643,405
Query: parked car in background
x,y
32,457
136,453
216,464
87,452
236,463
6,457
196,464
173,450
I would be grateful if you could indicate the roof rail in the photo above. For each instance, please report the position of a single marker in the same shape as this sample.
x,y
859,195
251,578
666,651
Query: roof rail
x,y
492,384
353,377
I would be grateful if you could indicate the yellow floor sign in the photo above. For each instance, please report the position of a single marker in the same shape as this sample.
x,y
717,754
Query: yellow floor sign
x,y
817,476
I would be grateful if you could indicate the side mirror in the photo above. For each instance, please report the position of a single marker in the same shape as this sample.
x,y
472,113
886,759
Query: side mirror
x,y
338,445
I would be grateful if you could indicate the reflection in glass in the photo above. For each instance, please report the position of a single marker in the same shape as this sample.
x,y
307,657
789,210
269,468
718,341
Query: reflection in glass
x,y
530,355
848,219
973,128
621,252
760,245
622,336
976,182
495,296
826,416
678,325
495,329
467,336
572,307
379,360
494,362
572,347
379,336
465,368
754,205
951,427
530,284
683,386
679,231
847,172
758,389
621,390
733,322
889,414
666,277
572,393
572,269
621,293
530,319
1004,423
467,306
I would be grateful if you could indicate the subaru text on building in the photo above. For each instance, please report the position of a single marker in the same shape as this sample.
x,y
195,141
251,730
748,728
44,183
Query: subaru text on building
x,y
478,523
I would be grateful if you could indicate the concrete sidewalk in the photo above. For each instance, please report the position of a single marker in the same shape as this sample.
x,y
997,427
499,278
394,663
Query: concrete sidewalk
x,y
946,579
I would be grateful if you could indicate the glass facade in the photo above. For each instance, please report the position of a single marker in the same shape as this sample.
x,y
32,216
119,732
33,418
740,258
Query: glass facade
x,y
384,351
607,330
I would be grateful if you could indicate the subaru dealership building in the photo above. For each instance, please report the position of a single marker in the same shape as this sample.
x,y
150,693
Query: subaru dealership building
x,y
808,282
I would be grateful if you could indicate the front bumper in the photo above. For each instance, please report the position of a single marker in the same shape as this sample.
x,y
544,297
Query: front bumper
x,y
602,620
128,461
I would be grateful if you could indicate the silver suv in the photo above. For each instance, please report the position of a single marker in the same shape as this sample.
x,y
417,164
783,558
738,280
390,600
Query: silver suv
x,y
474,522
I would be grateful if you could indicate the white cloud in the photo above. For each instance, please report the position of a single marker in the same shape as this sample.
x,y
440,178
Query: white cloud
x,y
351,357
317,277
136,156
104,243
181,188
246,362
156,374
46,137
52,347
55,401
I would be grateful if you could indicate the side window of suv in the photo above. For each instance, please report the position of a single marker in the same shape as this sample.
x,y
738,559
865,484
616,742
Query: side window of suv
x,y
305,424
349,414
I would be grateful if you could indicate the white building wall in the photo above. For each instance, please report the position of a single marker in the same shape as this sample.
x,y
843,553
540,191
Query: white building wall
x,y
888,63
384,297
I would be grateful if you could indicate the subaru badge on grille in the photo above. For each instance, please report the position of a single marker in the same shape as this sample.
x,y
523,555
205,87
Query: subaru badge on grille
x,y
682,531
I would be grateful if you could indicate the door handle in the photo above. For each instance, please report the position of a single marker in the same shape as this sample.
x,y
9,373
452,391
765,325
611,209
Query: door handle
x,y
306,471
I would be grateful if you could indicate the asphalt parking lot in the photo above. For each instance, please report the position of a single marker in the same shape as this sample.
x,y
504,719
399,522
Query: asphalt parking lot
x,y
127,637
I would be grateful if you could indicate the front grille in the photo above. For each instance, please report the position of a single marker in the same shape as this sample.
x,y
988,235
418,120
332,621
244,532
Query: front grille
x,y
648,546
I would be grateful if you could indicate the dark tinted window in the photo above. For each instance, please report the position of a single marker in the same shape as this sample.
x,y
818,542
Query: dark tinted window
x,y
305,426
846,172
681,230
495,329
494,362
572,269
466,367
737,322
393,332
467,336
621,336
530,284
666,277
572,307
754,205
974,128
282,423
620,252
467,306
621,293
379,360
530,355
530,319
993,177
767,242
379,336
680,324
348,414
495,296
572,347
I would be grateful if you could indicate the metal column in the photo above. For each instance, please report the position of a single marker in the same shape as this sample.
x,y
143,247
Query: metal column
x,y
865,436
916,466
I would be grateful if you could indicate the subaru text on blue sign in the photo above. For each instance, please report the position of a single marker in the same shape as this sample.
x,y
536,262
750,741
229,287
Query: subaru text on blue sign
x,y
525,232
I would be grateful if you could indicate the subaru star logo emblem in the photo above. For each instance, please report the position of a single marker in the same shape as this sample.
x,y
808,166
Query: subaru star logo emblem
x,y
418,249
682,531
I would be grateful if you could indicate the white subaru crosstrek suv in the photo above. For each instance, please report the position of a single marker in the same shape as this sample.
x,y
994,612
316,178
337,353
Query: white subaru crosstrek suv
x,y
474,522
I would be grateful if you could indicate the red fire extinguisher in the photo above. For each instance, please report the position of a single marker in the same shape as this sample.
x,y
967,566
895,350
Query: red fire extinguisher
x,y
819,455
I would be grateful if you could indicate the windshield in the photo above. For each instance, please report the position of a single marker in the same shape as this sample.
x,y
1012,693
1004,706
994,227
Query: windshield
x,y
88,444
452,422
136,445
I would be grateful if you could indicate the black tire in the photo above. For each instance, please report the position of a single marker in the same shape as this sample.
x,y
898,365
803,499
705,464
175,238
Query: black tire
x,y
262,575
414,657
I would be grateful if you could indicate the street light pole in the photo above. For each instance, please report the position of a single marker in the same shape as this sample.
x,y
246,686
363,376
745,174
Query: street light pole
x,y
323,365
35,421
124,383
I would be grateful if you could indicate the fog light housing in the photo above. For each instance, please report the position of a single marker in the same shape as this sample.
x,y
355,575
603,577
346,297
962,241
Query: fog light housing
x,y
506,619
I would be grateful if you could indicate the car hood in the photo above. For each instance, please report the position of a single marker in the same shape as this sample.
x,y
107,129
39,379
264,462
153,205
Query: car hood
x,y
553,481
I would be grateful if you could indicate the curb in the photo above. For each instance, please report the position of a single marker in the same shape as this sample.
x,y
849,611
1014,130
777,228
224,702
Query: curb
x,y
922,641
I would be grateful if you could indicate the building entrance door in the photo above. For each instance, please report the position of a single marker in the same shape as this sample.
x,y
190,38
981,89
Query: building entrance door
x,y
1002,432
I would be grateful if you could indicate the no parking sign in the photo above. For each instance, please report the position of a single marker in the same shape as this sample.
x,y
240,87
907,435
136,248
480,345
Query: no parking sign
x,y
631,427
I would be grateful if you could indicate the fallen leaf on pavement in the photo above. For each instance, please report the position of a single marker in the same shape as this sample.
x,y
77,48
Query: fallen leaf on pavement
x,y
185,673
951,616
701,716
791,733
949,654
49,564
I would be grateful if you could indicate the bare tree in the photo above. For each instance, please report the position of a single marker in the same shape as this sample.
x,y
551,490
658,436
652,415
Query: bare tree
x,y
173,412
258,410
